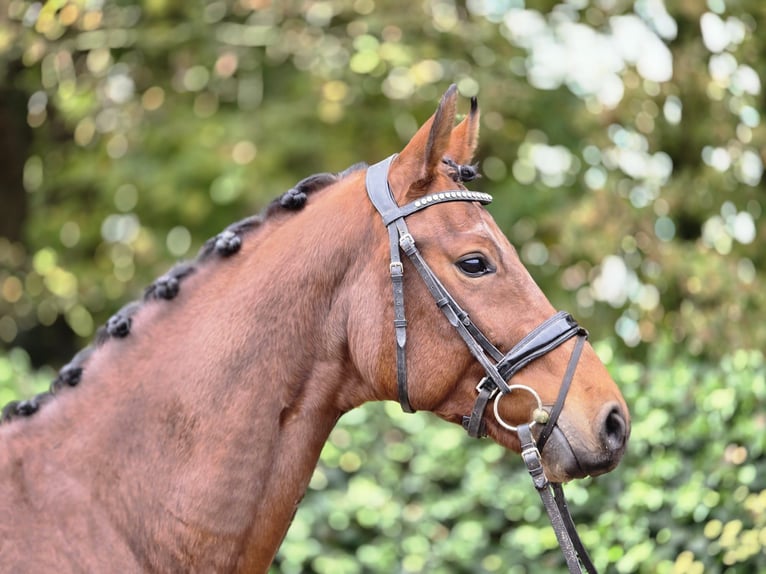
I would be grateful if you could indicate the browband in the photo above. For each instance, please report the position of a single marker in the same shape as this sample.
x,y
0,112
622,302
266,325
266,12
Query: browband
x,y
383,199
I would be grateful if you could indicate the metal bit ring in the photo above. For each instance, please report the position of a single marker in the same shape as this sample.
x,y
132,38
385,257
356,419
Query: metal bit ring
x,y
537,413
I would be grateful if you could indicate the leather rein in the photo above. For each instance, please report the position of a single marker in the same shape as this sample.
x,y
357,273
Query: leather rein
x,y
499,367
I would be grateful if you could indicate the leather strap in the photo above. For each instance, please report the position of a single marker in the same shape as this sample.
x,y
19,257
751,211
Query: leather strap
x,y
381,197
552,496
479,347
543,339
582,553
540,341
566,382
400,322
399,238
379,192
474,424
383,200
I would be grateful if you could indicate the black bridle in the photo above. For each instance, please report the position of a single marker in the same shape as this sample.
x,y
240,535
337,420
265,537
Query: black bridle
x,y
499,367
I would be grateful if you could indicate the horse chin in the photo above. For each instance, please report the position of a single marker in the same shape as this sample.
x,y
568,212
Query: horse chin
x,y
559,459
565,460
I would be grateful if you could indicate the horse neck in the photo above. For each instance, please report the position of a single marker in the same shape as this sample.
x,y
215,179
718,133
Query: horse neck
x,y
201,429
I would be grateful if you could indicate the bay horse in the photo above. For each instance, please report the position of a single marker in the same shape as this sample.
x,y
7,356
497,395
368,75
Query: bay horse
x,y
184,438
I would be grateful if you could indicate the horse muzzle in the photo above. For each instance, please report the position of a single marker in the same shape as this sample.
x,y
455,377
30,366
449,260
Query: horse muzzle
x,y
567,455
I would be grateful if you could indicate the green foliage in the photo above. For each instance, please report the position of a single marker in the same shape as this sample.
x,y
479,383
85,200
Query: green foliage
x,y
623,142
406,493
17,378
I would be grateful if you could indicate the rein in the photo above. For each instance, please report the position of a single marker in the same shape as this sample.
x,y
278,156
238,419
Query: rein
x,y
498,367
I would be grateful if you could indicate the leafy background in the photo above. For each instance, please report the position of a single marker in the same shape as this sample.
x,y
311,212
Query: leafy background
x,y
623,141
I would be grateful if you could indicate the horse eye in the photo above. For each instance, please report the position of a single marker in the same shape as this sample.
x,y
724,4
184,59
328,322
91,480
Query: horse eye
x,y
474,266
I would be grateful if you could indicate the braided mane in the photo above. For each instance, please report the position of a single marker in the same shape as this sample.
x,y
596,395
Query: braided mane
x,y
167,287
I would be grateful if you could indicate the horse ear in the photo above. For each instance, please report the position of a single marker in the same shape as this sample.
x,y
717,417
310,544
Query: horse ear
x,y
465,137
416,166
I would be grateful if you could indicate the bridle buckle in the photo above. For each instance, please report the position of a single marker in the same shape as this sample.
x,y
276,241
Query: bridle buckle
x,y
406,242
487,384
531,457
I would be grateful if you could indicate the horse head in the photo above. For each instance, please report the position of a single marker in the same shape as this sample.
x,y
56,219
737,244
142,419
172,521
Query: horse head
x,y
211,398
477,279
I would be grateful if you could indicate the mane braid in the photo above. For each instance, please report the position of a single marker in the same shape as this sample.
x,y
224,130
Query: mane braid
x,y
167,286
461,173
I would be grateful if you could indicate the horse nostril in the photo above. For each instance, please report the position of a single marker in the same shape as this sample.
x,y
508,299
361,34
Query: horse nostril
x,y
615,431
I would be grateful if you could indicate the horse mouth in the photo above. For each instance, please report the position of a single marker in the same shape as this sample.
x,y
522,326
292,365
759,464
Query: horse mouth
x,y
564,461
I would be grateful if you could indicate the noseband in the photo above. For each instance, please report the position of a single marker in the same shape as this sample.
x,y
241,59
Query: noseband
x,y
499,368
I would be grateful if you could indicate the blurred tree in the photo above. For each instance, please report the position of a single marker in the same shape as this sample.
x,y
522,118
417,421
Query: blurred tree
x,y
623,141
629,137
15,137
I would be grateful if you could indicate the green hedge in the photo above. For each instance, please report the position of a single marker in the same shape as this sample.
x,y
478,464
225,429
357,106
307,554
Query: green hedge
x,y
410,493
